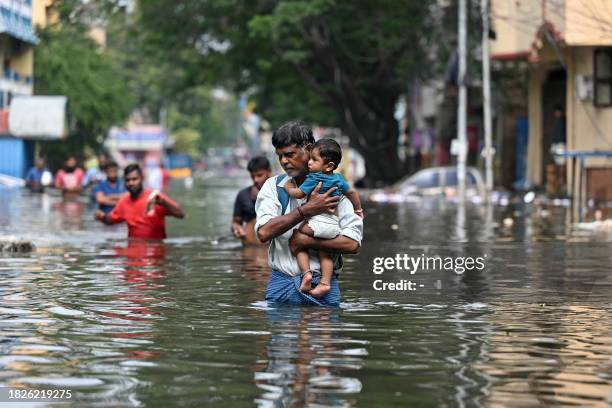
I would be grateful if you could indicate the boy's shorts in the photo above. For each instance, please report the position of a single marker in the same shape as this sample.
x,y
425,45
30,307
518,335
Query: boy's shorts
x,y
325,226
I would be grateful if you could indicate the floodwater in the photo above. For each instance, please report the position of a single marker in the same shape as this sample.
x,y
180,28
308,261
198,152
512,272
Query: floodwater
x,y
183,323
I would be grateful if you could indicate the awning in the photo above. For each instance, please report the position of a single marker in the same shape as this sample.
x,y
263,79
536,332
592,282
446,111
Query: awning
x,y
32,117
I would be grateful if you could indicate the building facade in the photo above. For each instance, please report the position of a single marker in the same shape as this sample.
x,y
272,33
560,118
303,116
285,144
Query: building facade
x,y
565,49
18,19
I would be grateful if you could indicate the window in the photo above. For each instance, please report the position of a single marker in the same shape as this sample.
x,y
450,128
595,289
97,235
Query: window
x,y
426,179
451,178
602,77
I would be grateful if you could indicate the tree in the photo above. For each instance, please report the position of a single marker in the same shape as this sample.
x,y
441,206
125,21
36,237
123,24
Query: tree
x,y
68,62
304,58
196,110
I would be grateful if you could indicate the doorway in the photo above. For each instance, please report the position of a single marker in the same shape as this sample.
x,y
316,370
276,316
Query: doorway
x,y
554,90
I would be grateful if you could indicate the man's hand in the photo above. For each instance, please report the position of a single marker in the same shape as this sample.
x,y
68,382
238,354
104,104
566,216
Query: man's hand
x,y
99,215
298,241
238,231
320,203
155,197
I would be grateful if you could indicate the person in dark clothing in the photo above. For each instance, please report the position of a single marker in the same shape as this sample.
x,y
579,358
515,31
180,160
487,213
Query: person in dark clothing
x,y
244,208
559,133
556,179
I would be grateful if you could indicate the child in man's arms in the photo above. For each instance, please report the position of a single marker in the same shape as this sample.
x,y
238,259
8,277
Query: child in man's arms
x,y
325,156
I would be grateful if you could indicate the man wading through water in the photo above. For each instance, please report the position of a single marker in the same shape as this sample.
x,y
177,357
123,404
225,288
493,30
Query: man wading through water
x,y
279,216
144,210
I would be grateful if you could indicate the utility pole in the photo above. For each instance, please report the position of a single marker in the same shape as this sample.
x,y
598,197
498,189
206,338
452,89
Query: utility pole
x,y
486,96
462,108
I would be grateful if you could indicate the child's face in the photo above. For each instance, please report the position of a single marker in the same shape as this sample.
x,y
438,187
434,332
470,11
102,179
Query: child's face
x,y
317,163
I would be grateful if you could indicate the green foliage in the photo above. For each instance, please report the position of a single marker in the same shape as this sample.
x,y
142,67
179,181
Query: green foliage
x,y
68,62
334,63
215,120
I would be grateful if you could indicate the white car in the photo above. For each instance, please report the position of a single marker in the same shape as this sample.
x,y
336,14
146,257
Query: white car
x,y
434,181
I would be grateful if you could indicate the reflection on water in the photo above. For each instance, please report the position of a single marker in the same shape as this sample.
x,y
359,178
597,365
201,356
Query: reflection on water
x,y
183,322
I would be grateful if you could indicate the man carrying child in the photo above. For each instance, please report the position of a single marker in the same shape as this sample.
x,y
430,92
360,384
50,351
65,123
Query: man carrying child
x,y
279,216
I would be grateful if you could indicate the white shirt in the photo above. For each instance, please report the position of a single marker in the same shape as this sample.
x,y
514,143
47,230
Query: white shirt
x,y
280,259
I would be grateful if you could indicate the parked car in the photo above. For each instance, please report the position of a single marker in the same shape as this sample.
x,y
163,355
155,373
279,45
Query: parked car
x,y
434,181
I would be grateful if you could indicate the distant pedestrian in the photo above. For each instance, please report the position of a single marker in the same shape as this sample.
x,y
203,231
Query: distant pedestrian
x,y
165,176
144,210
243,223
70,178
155,177
97,173
38,177
108,192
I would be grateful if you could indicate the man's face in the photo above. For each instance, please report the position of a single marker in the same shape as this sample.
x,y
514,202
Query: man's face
x,y
133,183
40,164
294,160
112,173
102,160
71,162
259,177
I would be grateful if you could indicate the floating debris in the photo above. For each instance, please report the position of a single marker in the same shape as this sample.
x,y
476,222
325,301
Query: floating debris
x,y
13,244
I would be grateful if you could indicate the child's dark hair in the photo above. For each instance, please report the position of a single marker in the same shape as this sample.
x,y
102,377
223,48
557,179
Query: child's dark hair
x,y
329,150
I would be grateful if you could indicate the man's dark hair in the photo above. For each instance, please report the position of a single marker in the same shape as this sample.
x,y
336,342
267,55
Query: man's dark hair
x,y
132,167
258,163
295,132
329,150
112,165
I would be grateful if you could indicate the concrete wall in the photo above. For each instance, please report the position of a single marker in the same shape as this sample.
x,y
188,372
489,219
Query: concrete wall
x,y
591,127
516,24
40,16
578,22
588,22
23,62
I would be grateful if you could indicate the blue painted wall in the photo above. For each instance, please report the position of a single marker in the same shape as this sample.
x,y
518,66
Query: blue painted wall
x,y
16,156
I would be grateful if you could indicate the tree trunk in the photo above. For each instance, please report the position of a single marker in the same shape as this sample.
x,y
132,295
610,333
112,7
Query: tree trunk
x,y
376,139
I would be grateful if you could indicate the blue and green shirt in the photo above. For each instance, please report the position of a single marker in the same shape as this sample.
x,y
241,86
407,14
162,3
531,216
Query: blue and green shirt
x,y
329,181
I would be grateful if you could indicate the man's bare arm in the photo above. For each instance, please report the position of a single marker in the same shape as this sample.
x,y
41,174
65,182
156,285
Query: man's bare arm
x,y
237,228
318,204
174,209
110,199
102,216
341,244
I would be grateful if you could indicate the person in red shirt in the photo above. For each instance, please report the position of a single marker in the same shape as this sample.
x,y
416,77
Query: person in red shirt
x,y
69,178
143,210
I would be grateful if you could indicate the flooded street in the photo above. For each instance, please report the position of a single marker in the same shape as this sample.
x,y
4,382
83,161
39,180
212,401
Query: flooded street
x,y
184,323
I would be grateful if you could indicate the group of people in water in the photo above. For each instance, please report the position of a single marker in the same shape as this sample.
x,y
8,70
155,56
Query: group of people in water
x,y
308,217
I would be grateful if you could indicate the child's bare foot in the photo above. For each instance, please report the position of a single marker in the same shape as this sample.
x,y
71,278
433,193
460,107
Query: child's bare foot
x,y
306,279
320,290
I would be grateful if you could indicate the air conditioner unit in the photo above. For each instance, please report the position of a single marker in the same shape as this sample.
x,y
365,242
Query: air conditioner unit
x,y
584,87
